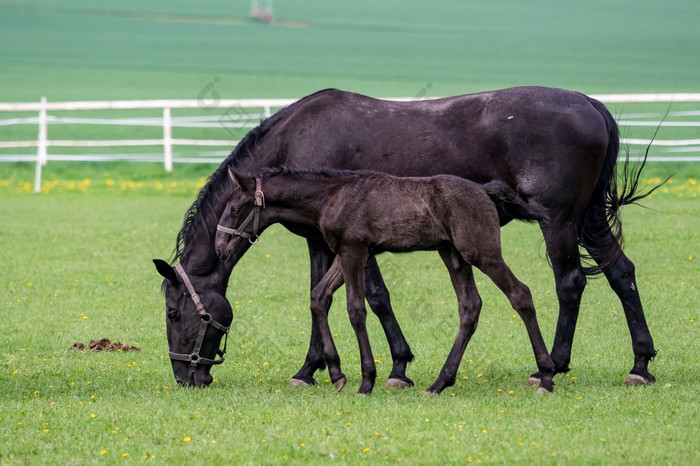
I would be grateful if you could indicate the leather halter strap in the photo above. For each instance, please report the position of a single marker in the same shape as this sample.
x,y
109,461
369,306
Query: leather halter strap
x,y
194,358
254,216
188,284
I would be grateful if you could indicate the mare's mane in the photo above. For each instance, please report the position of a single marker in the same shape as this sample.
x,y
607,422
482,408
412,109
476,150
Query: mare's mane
x,y
210,195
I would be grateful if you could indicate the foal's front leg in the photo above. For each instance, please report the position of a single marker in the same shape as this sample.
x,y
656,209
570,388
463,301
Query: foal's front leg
x,y
378,297
321,297
353,265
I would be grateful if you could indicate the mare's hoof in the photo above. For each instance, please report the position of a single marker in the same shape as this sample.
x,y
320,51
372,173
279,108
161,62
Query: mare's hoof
x,y
340,383
635,379
542,391
430,392
398,383
533,382
299,383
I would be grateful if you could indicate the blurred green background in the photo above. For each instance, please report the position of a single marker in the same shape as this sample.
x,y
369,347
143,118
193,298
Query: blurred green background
x,y
148,49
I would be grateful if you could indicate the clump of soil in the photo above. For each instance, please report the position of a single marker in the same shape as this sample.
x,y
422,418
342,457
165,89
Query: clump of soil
x,y
105,344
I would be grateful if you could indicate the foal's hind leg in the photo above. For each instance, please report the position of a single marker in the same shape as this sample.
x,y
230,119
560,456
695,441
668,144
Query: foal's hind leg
x,y
469,304
622,280
520,298
320,301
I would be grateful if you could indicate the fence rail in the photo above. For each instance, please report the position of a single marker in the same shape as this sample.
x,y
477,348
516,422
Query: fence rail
x,y
238,113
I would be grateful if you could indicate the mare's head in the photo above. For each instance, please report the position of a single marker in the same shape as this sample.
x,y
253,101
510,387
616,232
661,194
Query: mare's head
x,y
238,226
198,317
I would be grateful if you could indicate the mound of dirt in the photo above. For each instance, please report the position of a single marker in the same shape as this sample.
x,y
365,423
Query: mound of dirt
x,y
105,344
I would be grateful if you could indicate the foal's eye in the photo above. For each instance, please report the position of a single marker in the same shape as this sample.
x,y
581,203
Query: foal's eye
x,y
235,210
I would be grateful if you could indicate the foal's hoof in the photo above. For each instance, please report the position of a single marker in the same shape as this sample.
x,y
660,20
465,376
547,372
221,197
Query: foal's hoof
x,y
543,391
533,381
340,383
636,379
299,383
398,383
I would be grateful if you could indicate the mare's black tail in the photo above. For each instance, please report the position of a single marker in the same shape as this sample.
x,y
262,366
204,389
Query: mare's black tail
x,y
600,227
508,202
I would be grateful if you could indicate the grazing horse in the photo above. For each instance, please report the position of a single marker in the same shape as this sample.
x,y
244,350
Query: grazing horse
x,y
554,146
363,214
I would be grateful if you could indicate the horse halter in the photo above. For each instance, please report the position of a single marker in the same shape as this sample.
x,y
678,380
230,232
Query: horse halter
x,y
194,358
254,216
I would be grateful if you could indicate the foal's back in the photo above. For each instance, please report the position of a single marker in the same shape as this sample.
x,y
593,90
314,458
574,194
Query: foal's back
x,y
388,213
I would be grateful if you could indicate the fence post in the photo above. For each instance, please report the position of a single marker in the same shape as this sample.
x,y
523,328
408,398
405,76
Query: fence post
x,y
167,140
41,151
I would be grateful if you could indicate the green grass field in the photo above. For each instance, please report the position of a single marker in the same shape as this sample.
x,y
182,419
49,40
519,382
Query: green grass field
x,y
77,267
75,261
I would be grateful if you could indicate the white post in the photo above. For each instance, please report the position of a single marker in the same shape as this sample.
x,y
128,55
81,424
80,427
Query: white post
x,y
41,152
266,111
167,140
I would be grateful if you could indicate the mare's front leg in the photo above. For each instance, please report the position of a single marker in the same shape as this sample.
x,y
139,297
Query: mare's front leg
x,y
321,297
469,303
353,264
377,296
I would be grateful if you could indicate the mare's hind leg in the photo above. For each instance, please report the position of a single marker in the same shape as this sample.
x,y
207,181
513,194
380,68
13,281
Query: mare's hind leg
x,y
520,298
621,277
321,297
562,249
469,303
321,258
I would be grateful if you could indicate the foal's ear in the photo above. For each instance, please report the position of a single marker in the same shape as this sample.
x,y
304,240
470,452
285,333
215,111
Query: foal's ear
x,y
234,178
165,270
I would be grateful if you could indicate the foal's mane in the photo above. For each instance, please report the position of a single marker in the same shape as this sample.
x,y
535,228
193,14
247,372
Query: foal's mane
x,y
295,173
210,194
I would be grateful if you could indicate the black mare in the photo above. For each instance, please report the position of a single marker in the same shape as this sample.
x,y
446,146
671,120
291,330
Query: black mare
x,y
554,146
361,214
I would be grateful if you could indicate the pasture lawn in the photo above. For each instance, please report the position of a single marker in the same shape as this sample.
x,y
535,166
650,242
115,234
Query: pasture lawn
x,y
77,266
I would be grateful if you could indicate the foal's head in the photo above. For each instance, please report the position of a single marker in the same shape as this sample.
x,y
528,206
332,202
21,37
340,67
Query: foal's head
x,y
238,225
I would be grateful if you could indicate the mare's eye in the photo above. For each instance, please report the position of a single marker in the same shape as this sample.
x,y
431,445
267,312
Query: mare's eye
x,y
174,315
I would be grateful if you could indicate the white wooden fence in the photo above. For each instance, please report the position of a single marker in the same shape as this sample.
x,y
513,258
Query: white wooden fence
x,y
243,117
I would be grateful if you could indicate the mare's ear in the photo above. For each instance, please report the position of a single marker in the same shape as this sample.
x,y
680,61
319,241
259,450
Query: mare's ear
x,y
234,178
165,270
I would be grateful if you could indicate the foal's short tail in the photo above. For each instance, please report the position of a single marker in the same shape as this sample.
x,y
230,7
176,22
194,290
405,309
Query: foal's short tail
x,y
510,203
